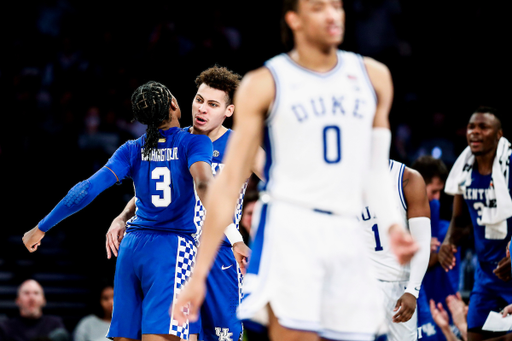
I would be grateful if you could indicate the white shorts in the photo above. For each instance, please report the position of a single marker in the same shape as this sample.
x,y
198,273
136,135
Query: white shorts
x,y
314,271
404,331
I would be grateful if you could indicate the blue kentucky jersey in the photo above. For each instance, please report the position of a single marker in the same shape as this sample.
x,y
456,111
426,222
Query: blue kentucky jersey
x,y
489,251
164,187
219,149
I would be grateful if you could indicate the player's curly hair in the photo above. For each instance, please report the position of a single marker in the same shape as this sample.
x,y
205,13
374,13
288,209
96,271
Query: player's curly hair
x,y
220,78
150,105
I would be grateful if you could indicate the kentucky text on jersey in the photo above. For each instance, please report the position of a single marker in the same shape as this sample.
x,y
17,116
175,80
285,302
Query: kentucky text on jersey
x,y
321,107
480,194
217,167
162,154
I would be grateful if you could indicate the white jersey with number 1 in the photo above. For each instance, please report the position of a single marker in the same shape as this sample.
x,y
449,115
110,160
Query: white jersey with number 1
x,y
386,264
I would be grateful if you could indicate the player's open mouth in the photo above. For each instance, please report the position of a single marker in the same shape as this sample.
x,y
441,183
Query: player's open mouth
x,y
200,120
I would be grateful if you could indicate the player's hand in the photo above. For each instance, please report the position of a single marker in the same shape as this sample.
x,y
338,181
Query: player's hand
x,y
405,307
458,309
446,256
434,244
503,270
508,310
32,239
439,315
114,236
242,253
189,301
403,245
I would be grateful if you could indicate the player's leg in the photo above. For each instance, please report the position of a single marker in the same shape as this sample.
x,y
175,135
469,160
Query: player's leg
x,y
279,333
218,313
164,262
159,337
481,302
126,321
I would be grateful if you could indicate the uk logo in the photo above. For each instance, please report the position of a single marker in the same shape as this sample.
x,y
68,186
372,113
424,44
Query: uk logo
x,y
223,334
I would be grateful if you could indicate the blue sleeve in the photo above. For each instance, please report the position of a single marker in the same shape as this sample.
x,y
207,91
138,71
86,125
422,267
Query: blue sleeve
x,y
120,163
78,197
199,148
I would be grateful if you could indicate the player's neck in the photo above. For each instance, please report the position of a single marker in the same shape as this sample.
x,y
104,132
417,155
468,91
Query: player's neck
x,y
484,162
314,58
213,134
170,124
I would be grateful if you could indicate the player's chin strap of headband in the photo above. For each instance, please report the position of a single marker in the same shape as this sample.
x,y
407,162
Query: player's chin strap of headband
x,y
420,231
378,185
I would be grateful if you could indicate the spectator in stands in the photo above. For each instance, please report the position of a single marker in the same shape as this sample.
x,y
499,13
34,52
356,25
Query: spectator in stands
x,y
31,324
248,207
94,327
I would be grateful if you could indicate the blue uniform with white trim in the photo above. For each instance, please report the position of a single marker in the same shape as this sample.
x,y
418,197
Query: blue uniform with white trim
x,y
489,292
224,282
157,254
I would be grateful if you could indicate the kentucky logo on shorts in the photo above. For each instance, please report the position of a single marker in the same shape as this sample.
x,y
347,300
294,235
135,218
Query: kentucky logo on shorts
x,y
223,334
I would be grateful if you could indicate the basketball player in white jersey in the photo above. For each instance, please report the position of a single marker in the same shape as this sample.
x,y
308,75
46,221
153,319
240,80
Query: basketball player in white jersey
x,y
399,283
323,117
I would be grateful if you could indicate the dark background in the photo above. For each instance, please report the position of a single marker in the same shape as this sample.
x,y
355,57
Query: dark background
x,y
68,69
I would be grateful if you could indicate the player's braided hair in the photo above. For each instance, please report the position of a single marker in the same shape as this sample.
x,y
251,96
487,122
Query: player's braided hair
x,y
150,105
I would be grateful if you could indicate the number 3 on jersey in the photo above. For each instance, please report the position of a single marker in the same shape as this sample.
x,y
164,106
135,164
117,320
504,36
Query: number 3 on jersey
x,y
164,186
332,144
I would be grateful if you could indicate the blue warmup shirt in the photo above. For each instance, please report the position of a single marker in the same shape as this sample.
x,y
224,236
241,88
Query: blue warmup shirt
x,y
164,187
489,251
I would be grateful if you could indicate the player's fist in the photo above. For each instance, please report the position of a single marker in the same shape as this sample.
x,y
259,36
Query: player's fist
x,y
402,244
189,301
32,239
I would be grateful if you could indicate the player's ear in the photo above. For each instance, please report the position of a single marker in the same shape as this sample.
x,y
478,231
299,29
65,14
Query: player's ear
x,y
174,104
230,110
292,20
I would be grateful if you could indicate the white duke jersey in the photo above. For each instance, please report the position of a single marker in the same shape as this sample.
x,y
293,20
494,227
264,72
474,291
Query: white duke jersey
x,y
318,134
386,265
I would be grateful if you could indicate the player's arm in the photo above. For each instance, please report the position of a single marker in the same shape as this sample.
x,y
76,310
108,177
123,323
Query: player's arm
x,y
202,174
378,187
81,195
259,164
117,229
458,229
252,100
418,216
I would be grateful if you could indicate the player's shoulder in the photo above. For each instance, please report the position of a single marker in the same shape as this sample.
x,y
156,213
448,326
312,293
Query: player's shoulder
x,y
259,75
373,65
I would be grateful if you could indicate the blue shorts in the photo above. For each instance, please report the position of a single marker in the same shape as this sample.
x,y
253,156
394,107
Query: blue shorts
x,y
218,319
150,271
484,300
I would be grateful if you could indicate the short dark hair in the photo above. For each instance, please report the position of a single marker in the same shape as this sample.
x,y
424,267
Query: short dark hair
x,y
286,32
490,110
150,105
220,78
429,167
